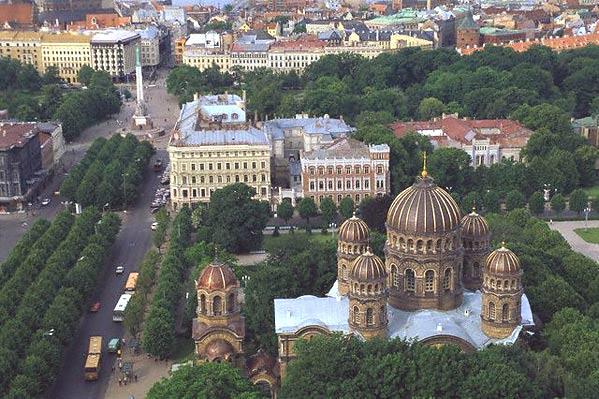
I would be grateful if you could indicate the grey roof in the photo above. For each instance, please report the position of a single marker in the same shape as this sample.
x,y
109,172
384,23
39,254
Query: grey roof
x,y
329,127
329,35
190,136
331,313
345,148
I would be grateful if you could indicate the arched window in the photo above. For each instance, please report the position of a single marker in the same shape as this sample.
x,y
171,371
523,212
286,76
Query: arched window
x,y
203,304
217,306
498,284
344,272
362,288
491,311
429,281
505,312
231,303
382,315
513,284
475,269
410,280
402,243
410,245
369,288
356,315
429,245
506,284
419,245
394,276
438,245
447,279
369,317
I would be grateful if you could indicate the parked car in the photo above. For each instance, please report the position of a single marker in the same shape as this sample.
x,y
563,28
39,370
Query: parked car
x,y
95,307
154,226
46,201
120,269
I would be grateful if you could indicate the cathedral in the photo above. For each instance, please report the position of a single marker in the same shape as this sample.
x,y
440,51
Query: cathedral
x,y
439,284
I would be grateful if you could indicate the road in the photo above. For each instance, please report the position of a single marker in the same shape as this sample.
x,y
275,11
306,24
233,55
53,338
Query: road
x,y
578,244
133,241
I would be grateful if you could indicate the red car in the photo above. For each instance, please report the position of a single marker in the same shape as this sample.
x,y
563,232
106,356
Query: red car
x,y
95,307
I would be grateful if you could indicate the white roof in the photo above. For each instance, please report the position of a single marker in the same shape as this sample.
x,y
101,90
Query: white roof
x,y
112,36
332,312
121,305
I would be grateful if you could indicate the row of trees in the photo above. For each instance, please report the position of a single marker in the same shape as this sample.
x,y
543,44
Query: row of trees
x,y
160,325
307,208
110,173
45,318
135,311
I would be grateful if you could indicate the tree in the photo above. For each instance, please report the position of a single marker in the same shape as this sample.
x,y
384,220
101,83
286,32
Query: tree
x,y
85,74
307,209
328,209
197,216
491,201
51,76
558,203
472,200
209,380
285,210
451,168
346,207
536,203
430,108
159,333
373,210
514,200
236,220
578,201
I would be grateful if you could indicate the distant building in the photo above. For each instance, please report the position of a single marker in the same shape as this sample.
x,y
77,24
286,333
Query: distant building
x,y
588,128
467,32
212,146
487,141
22,46
345,168
20,164
17,16
114,52
55,47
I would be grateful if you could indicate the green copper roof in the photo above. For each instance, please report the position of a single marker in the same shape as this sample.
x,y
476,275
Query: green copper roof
x,y
468,22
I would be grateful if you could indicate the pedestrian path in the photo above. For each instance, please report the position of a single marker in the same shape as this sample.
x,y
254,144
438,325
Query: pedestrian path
x,y
567,228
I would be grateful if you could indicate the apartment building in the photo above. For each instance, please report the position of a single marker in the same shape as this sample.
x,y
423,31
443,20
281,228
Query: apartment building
x,y
212,147
114,52
22,46
68,52
345,168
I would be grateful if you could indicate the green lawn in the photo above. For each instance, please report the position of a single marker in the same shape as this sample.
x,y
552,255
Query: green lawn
x,y
302,235
592,192
589,235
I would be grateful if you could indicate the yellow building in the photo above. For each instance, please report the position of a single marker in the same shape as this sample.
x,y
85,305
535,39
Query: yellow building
x,y
202,59
22,46
68,52
212,147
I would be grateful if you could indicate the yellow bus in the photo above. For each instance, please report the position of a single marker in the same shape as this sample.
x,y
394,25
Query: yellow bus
x,y
131,282
93,359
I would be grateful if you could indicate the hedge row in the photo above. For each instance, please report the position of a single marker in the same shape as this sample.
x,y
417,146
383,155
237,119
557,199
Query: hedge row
x,y
22,249
134,314
35,369
159,328
110,173
16,286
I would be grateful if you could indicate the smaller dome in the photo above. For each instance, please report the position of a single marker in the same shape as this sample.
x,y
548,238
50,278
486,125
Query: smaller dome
x,y
354,229
474,225
502,261
219,349
368,267
217,276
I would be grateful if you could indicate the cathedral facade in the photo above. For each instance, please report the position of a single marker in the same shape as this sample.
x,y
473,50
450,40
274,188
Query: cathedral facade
x,y
439,284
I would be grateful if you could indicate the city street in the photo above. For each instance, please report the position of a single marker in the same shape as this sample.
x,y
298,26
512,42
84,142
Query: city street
x,y
132,243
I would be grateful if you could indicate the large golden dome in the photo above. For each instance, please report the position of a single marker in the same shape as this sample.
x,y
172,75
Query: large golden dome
x,y
423,209
474,225
353,230
502,261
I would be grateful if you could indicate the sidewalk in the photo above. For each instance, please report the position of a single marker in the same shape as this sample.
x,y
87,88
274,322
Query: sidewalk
x,y
148,372
566,229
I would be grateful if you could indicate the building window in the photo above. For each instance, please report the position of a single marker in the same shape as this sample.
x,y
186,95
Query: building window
x,y
379,169
185,193
394,276
356,315
357,184
217,306
382,315
330,184
263,165
231,303
491,311
339,170
410,280
263,191
447,279
429,281
312,186
203,304
369,318
366,169
505,313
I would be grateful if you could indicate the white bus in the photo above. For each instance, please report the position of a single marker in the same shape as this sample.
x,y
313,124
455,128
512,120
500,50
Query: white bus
x,y
119,310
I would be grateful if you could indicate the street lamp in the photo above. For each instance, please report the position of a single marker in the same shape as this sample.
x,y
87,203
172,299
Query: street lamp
x,y
586,211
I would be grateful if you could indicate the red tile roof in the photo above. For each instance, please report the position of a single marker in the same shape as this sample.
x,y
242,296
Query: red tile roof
x,y
555,43
16,134
20,13
506,132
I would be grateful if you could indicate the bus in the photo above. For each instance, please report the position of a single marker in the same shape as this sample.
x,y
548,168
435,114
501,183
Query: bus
x,y
93,359
119,310
131,283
